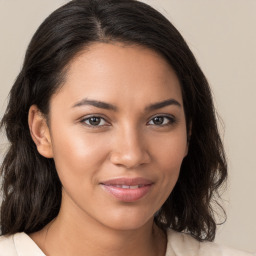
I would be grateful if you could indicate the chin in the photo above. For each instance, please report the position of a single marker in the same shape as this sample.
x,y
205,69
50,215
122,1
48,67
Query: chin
x,y
129,219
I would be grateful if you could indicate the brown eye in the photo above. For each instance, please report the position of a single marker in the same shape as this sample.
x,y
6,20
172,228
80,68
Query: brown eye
x,y
158,120
94,121
162,120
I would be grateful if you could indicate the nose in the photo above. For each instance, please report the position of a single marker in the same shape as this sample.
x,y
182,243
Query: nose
x,y
129,149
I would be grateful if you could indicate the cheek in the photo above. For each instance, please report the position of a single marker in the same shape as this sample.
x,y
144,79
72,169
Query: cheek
x,y
169,157
76,154
171,150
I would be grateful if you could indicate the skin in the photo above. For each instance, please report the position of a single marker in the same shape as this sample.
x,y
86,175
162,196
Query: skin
x,y
128,142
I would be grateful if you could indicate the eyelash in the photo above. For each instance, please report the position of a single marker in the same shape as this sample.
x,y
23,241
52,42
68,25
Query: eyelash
x,y
94,126
170,121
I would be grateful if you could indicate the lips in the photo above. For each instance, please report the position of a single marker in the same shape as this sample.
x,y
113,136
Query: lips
x,y
127,189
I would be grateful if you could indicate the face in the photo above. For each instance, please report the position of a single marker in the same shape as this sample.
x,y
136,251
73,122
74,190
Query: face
x,y
118,134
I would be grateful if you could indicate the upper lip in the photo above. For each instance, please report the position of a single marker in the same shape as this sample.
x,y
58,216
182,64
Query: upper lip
x,y
128,181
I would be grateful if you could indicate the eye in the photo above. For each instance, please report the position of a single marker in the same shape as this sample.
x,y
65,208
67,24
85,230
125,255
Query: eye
x,y
95,121
162,120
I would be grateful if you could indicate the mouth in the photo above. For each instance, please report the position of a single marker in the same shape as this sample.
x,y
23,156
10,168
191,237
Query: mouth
x,y
127,189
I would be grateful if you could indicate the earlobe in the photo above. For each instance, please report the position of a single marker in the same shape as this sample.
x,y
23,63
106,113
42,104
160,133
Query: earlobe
x,y
39,131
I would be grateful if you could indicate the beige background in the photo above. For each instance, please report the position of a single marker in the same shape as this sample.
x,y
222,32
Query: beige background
x,y
222,35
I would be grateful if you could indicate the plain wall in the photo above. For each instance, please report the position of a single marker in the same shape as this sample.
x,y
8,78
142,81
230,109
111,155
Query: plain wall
x,y
222,36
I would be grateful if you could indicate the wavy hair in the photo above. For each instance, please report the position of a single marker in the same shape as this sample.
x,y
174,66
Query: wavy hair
x,y
31,187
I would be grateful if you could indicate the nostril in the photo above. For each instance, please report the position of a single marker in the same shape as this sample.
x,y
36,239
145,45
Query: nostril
x,y
129,148
129,159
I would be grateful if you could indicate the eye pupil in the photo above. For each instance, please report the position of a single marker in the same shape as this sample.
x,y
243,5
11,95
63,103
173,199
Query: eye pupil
x,y
94,120
158,120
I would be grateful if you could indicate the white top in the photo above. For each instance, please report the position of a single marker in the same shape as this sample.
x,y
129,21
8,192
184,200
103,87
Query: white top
x,y
179,244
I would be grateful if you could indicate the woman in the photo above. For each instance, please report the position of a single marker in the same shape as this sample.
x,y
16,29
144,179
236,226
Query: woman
x,y
114,144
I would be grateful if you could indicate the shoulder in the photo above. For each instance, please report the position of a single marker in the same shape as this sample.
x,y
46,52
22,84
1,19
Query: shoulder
x,y
180,244
7,246
19,244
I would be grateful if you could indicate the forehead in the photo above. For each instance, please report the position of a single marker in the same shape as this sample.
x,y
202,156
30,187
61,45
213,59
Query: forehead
x,y
112,71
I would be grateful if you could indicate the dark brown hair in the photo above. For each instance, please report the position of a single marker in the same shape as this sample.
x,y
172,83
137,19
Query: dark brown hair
x,y
31,187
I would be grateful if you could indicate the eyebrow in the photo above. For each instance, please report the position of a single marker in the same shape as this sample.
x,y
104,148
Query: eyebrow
x,y
95,103
104,105
162,104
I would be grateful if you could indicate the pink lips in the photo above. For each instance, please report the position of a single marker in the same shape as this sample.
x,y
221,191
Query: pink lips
x,y
127,189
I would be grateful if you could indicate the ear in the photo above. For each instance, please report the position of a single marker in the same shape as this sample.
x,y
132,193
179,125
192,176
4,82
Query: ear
x,y
40,132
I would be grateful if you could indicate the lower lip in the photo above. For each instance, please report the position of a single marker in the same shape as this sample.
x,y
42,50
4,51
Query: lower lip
x,y
126,194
